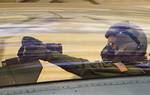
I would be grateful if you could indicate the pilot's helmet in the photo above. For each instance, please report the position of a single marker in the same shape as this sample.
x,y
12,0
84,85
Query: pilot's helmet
x,y
125,39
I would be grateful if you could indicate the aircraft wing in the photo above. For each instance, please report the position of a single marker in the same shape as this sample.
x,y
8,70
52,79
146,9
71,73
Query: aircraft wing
x,y
114,86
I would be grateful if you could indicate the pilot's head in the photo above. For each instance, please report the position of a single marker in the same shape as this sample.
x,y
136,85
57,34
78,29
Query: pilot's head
x,y
124,40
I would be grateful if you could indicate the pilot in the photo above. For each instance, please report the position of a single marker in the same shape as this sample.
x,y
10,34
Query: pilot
x,y
126,46
127,43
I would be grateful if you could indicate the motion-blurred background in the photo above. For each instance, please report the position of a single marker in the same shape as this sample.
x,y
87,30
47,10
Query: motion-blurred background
x,y
72,1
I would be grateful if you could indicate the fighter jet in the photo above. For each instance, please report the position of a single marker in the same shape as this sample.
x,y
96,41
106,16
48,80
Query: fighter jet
x,y
77,61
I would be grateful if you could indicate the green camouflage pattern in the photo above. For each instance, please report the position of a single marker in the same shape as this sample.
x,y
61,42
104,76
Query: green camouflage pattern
x,y
86,69
20,71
